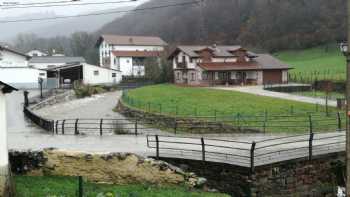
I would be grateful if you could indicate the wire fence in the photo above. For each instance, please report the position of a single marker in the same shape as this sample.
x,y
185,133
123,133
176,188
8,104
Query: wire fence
x,y
247,154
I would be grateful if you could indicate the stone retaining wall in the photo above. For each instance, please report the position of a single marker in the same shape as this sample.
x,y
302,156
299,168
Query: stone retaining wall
x,y
57,97
176,124
113,168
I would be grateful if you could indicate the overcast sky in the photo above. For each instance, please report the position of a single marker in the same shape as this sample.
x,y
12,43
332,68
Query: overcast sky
x,y
65,10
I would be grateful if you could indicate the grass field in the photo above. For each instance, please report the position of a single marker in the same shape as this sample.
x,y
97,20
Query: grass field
x,y
67,187
321,94
315,63
189,101
240,109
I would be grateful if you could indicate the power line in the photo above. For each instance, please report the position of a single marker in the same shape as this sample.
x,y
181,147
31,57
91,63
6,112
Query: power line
x,y
37,3
97,14
71,4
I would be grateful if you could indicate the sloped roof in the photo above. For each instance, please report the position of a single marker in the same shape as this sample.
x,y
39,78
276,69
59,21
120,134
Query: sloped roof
x,y
136,53
262,62
132,40
56,59
218,51
7,88
9,49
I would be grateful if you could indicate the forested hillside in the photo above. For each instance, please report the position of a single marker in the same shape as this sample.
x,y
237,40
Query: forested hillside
x,y
267,24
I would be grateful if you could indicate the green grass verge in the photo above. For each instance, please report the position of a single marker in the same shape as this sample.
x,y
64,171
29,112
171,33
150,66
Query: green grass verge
x,y
27,186
316,63
240,109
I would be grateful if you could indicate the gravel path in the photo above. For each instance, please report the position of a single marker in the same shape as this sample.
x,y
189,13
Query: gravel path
x,y
259,90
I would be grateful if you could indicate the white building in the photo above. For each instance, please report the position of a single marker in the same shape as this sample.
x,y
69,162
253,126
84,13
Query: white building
x,y
36,53
14,69
46,62
128,53
4,158
85,73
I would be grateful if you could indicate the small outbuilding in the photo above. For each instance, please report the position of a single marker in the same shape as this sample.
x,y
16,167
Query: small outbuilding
x,y
65,76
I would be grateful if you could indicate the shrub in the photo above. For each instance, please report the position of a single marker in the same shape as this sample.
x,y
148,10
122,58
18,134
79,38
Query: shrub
x,y
82,91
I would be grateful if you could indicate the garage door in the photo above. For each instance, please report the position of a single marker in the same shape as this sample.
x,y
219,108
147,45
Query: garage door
x,y
272,76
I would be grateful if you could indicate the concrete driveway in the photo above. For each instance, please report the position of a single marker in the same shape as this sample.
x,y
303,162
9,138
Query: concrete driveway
x,y
259,90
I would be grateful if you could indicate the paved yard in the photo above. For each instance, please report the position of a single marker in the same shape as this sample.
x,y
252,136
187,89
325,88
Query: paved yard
x,y
258,90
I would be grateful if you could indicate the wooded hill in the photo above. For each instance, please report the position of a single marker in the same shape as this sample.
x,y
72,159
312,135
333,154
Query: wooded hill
x,y
267,24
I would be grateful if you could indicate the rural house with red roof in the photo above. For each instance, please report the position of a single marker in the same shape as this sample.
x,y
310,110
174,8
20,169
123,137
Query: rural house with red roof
x,y
128,53
225,65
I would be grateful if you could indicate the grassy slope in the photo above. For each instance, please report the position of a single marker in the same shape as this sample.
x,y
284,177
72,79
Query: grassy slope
x,y
205,101
64,186
328,64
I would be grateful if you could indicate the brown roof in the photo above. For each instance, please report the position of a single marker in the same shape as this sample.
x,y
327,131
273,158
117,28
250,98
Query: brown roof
x,y
136,53
228,66
262,62
132,40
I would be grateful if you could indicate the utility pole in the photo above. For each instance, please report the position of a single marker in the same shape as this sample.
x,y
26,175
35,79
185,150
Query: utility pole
x,y
348,104
202,32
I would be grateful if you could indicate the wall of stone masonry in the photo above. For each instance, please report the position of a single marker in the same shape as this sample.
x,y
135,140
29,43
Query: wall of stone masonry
x,y
300,178
188,125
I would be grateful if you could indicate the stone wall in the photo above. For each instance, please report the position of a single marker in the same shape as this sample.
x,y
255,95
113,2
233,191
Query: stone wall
x,y
230,179
114,168
178,124
57,97
300,177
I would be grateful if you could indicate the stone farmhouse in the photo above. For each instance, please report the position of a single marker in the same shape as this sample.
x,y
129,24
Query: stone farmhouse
x,y
128,53
225,65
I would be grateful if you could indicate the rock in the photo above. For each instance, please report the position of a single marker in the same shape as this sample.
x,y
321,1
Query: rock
x,y
201,181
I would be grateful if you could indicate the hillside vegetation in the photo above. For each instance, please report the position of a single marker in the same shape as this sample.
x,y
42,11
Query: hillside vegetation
x,y
323,62
266,24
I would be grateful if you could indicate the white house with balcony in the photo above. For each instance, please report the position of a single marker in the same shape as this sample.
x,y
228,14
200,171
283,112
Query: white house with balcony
x,y
129,53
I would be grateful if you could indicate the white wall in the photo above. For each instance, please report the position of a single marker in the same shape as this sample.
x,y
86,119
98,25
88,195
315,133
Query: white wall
x,y
9,59
3,135
104,75
260,77
284,76
22,77
105,49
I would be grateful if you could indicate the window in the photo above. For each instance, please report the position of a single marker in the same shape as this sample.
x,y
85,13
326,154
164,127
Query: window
x,y
192,76
204,76
178,75
183,59
191,60
42,74
127,61
114,75
96,73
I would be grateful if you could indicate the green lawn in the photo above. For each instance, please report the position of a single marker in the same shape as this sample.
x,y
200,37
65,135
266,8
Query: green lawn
x,y
240,109
66,187
315,63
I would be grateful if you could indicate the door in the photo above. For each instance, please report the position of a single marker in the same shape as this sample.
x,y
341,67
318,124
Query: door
x,y
272,76
241,77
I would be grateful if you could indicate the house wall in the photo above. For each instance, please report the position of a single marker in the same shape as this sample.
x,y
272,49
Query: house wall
x,y
105,50
285,76
3,145
26,78
104,75
9,59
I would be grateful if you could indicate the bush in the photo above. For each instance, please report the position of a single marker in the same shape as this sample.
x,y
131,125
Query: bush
x,y
82,91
